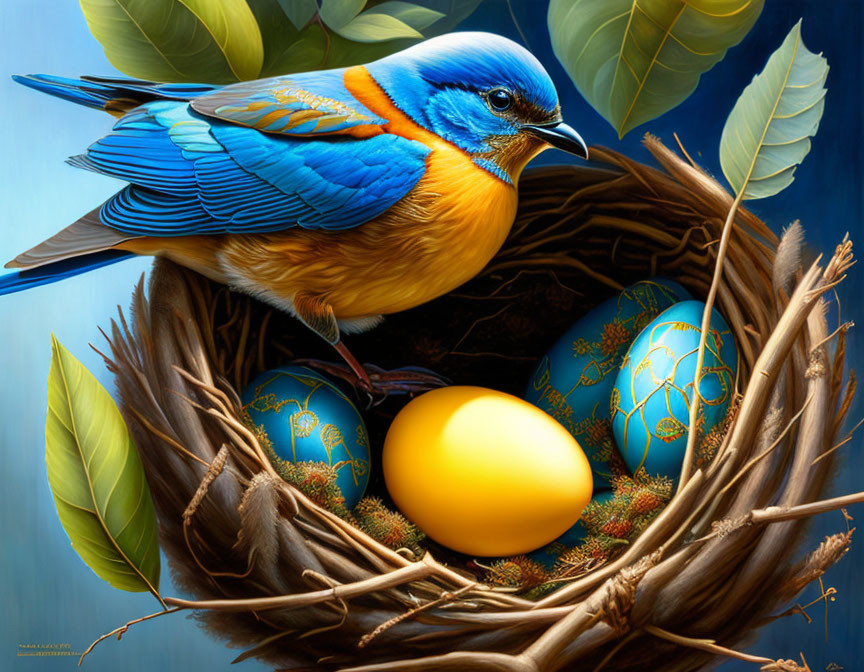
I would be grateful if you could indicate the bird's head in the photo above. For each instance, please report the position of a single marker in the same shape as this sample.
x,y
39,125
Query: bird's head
x,y
482,92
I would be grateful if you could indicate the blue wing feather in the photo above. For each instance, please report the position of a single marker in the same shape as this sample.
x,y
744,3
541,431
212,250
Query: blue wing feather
x,y
97,92
194,175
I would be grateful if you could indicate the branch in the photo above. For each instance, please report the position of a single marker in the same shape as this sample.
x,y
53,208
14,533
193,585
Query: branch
x,y
122,630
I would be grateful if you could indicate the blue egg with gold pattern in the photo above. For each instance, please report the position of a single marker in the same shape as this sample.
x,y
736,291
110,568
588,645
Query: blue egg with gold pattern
x,y
573,382
654,388
308,419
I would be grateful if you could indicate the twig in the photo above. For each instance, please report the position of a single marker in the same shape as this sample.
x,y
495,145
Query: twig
x,y
708,645
445,597
703,339
615,649
123,628
779,514
768,450
684,151
485,318
838,445
424,569
188,515
843,328
776,514
167,439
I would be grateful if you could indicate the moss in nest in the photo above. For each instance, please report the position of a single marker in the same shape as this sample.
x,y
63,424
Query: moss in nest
x,y
519,572
615,523
387,527
316,480
596,550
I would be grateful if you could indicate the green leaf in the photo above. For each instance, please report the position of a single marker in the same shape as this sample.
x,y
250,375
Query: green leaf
x,y
344,52
634,60
178,40
338,13
415,16
100,490
299,11
288,50
454,11
768,131
369,27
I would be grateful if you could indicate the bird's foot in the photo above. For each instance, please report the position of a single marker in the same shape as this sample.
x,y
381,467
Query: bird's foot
x,y
376,384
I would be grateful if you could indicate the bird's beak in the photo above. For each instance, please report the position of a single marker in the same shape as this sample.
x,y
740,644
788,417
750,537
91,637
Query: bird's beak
x,y
560,135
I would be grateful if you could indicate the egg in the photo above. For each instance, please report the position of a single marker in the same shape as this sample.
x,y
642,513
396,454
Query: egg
x,y
308,419
573,382
653,390
483,472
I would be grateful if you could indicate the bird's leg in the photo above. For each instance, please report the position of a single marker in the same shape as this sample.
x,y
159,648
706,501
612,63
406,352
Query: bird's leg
x,y
356,367
374,381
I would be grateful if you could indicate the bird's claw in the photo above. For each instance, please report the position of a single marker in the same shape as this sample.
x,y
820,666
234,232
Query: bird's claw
x,y
377,384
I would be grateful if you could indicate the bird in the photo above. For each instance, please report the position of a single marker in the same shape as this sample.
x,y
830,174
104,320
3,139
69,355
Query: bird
x,y
338,196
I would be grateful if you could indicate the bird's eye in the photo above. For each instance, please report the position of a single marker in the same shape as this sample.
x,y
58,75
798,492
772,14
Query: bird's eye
x,y
500,100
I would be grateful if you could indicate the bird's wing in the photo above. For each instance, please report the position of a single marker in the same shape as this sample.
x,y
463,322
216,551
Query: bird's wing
x,y
310,103
194,175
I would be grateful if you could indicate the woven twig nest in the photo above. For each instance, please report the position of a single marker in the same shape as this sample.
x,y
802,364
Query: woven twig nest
x,y
303,589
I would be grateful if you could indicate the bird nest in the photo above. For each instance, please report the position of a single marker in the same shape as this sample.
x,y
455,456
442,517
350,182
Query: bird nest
x,y
277,573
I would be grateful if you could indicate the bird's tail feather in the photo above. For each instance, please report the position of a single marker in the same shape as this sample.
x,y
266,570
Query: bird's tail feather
x,y
80,247
114,95
86,236
18,281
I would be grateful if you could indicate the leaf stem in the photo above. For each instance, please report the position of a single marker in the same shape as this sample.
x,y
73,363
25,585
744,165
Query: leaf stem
x,y
516,23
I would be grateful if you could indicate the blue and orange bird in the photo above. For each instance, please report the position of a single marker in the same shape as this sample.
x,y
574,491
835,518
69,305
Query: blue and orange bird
x,y
339,196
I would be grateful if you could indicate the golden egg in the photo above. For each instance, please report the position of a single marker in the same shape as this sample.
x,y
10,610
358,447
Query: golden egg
x,y
483,472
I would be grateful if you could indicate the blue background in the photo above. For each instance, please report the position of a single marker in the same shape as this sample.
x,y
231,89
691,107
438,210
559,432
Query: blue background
x,y
49,595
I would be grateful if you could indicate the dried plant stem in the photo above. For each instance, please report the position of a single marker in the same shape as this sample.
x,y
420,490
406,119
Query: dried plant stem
x,y
779,514
704,645
776,514
415,571
122,630
758,458
840,444
615,649
696,401
458,661
445,597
